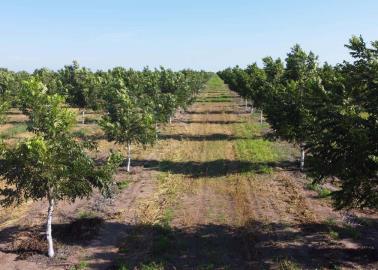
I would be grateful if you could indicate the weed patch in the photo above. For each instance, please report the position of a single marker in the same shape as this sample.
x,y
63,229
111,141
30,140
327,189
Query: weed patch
x,y
14,130
124,184
322,191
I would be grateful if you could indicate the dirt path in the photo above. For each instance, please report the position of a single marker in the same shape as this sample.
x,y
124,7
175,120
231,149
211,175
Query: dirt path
x,y
214,194
239,204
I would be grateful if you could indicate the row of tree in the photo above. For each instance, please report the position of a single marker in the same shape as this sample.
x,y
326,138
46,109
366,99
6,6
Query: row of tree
x,y
331,112
53,164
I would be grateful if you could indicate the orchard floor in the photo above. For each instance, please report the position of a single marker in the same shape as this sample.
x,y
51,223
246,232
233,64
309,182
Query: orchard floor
x,y
213,193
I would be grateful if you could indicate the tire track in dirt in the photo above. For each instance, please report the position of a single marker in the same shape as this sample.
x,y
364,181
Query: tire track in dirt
x,y
102,252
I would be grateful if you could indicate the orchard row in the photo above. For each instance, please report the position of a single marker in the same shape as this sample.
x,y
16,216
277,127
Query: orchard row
x,y
53,164
331,112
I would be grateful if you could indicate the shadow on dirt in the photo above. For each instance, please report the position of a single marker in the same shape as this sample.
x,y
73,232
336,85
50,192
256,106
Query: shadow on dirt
x,y
208,137
29,241
214,112
253,246
210,122
214,168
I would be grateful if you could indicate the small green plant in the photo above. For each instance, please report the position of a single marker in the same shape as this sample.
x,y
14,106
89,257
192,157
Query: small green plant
x,y
323,192
167,218
122,267
80,266
286,264
123,184
335,267
334,234
86,214
152,266
79,133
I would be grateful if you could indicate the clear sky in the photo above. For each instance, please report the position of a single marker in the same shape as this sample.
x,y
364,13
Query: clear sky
x,y
206,34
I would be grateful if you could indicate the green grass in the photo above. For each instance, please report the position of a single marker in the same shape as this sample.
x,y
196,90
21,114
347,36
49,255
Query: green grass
x,y
215,99
167,217
287,264
215,84
124,184
148,266
80,133
83,214
86,132
334,234
14,130
256,149
336,231
323,192
79,266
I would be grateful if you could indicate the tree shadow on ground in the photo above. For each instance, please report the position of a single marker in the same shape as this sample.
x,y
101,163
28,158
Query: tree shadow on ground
x,y
256,245
214,168
28,241
215,112
211,122
207,137
90,137
15,122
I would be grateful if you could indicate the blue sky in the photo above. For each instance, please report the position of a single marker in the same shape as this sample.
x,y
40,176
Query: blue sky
x,y
203,34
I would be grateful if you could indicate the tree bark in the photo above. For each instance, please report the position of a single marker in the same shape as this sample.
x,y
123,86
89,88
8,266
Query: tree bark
x,y
50,251
302,161
246,105
83,117
170,120
128,157
252,109
261,117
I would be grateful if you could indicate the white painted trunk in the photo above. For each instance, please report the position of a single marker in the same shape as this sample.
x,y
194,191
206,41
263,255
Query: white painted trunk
x,y
83,117
246,105
252,109
156,130
128,157
170,120
50,251
302,161
261,117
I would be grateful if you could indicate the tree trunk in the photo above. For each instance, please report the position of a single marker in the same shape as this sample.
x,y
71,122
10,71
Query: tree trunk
x,y
83,116
252,109
302,161
50,252
170,120
246,105
128,157
157,132
261,117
